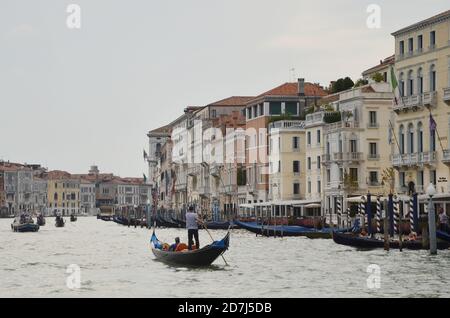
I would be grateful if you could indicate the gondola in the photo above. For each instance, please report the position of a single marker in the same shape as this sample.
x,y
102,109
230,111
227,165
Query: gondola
x,y
180,223
40,220
443,235
197,258
120,220
354,240
73,218
214,225
17,226
59,221
284,230
162,222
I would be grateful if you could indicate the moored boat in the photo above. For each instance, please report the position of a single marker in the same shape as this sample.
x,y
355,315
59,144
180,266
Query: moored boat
x,y
365,242
24,223
284,230
195,258
443,235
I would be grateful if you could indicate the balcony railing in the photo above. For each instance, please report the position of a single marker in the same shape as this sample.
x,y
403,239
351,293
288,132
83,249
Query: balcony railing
x,y
405,103
341,125
429,99
194,170
347,156
447,95
372,156
287,124
446,157
373,125
414,159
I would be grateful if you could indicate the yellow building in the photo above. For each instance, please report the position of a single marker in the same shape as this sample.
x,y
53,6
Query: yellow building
x,y
422,63
63,193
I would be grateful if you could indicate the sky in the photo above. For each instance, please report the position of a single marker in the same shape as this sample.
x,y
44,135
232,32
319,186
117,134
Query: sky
x,y
71,98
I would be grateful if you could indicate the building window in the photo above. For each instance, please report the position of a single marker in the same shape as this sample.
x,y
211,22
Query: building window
x,y
328,175
308,139
309,163
433,177
432,39
402,47
319,186
373,118
279,166
309,187
214,113
291,108
261,109
318,137
402,139
419,137
353,174
373,177
410,84
295,143
275,108
296,188
249,113
420,178
353,146
296,166
410,45
410,138
432,78
373,152
419,81
318,162
420,43
401,177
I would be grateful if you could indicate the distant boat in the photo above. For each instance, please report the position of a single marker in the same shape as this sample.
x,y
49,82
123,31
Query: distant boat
x,y
24,223
40,220
284,230
59,221
196,258
120,220
354,240
443,235
73,218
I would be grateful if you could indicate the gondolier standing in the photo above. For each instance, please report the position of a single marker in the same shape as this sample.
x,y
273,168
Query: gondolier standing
x,y
192,227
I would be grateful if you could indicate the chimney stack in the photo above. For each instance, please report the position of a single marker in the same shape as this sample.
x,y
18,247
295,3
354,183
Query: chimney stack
x,y
301,87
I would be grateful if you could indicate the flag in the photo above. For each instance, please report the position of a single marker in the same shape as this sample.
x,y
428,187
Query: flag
x,y
145,178
394,85
145,155
433,125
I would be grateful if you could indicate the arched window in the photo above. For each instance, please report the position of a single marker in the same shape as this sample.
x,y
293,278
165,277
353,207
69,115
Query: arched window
x,y
401,135
55,196
410,83
419,81
432,78
401,84
410,138
419,137
432,141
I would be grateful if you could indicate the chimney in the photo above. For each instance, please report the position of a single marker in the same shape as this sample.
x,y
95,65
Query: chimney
x,y
301,87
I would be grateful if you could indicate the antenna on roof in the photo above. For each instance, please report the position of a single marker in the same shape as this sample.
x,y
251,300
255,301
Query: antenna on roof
x,y
292,76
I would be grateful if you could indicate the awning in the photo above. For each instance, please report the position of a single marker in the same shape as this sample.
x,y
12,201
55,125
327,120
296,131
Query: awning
x,y
439,196
313,205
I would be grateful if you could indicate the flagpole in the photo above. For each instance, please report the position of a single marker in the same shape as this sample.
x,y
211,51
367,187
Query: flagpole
x,y
396,141
437,132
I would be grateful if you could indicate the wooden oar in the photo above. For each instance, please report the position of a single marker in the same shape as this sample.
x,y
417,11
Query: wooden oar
x,y
204,225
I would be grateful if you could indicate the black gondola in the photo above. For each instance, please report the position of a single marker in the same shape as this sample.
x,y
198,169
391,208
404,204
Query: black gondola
x,y
162,222
354,240
180,223
59,221
73,218
196,258
120,220
40,220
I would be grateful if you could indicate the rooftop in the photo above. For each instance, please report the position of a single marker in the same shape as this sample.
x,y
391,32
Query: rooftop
x,y
424,23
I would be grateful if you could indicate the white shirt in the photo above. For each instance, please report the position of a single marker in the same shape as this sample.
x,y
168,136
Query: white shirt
x,y
191,221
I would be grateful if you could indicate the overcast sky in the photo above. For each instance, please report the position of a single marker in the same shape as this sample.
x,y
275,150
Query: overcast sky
x,y
70,98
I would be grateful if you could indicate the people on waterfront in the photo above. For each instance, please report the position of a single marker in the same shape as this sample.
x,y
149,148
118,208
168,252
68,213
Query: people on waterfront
x,y
192,227
174,246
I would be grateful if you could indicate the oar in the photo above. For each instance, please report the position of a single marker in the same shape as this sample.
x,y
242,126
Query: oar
x,y
204,225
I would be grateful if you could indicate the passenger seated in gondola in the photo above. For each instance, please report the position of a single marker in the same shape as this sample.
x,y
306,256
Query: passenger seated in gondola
x,y
412,236
174,246
363,233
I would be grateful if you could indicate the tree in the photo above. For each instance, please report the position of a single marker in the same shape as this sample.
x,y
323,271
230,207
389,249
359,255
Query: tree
x,y
388,179
378,77
361,82
342,84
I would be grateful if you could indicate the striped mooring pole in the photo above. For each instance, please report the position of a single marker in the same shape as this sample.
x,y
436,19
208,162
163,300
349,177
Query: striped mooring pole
x,y
349,221
363,211
339,211
411,214
396,215
378,214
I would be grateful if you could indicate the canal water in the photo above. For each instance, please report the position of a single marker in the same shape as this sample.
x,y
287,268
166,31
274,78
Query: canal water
x,y
116,261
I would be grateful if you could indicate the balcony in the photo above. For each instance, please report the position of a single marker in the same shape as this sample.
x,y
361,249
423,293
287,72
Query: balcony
x,y
10,189
287,124
180,186
373,157
194,171
446,157
326,159
347,156
405,103
447,95
371,125
341,125
414,159
429,99
314,118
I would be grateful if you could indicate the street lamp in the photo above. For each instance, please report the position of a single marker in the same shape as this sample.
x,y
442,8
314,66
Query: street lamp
x,y
431,191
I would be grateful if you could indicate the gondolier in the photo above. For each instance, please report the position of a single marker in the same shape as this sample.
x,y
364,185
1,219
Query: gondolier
x,y
192,227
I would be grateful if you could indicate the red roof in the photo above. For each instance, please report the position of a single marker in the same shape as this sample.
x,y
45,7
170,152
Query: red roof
x,y
291,89
233,101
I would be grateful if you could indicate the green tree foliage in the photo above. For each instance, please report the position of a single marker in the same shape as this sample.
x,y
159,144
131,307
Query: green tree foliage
x,y
378,77
361,82
342,84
